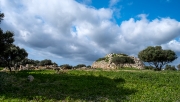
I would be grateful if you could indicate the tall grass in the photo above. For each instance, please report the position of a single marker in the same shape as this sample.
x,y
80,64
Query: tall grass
x,y
98,85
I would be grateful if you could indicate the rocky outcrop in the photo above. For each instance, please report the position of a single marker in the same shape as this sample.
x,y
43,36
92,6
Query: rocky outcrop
x,y
106,62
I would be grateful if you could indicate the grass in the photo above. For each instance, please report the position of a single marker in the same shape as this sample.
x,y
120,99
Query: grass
x,y
1,68
99,85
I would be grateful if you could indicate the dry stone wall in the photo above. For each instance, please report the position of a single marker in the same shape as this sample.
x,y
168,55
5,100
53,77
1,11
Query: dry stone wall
x,y
107,63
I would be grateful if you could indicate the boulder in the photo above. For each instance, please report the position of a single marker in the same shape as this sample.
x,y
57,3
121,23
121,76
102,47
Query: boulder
x,y
30,78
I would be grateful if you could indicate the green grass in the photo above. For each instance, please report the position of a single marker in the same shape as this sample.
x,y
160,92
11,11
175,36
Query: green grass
x,y
1,68
98,85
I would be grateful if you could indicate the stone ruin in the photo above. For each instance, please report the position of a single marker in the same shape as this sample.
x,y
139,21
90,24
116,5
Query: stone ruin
x,y
106,63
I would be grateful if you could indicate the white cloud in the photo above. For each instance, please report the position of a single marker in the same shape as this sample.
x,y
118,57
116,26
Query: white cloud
x,y
75,33
113,2
157,31
173,44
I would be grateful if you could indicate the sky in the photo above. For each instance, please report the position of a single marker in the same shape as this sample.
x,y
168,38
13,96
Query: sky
x,y
81,31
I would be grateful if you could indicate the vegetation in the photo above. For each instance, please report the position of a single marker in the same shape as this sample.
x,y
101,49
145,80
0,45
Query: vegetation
x,y
120,61
1,16
178,66
169,67
149,67
10,54
119,54
80,66
101,59
106,59
79,85
156,56
66,66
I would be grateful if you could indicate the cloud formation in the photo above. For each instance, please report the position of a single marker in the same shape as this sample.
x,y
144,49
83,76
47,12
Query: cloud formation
x,y
113,2
68,30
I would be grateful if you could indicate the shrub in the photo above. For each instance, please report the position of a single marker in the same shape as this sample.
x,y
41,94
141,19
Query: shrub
x,y
66,66
101,59
169,67
80,66
149,67
88,66
178,66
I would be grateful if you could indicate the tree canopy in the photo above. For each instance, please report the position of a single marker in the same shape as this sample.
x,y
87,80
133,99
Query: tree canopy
x,y
1,16
10,54
156,56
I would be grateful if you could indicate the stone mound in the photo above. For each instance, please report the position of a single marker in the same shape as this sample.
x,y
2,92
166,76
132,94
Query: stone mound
x,y
106,62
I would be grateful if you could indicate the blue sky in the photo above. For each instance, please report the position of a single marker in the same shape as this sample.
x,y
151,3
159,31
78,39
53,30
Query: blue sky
x,y
131,8
81,31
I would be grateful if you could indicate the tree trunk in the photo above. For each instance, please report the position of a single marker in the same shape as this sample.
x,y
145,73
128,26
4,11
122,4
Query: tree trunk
x,y
9,68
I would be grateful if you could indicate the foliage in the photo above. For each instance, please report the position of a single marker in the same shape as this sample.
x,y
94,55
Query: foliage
x,y
120,61
157,56
178,66
46,62
169,67
37,62
119,54
10,54
101,59
66,66
80,66
149,67
88,66
1,68
91,86
1,16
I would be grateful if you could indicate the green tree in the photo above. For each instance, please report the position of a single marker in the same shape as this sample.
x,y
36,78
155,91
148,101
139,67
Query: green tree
x,y
9,53
119,61
13,55
1,16
66,66
169,67
156,56
80,66
178,66
46,62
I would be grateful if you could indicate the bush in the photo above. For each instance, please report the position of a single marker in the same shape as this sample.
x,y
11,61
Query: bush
x,y
169,67
88,66
80,66
100,59
149,67
66,66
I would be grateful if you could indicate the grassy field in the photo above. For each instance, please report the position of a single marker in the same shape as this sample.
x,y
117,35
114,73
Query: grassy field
x,y
1,68
95,85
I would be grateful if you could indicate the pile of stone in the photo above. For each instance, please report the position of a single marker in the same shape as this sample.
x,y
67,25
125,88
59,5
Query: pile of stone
x,y
107,64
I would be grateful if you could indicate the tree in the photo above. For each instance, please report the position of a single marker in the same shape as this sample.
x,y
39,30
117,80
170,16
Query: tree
x,y
66,66
178,66
9,53
156,56
1,16
46,62
80,66
6,41
169,67
120,61
13,55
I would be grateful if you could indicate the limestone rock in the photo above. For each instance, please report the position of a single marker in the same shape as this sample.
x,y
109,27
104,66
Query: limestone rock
x,y
30,78
106,62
